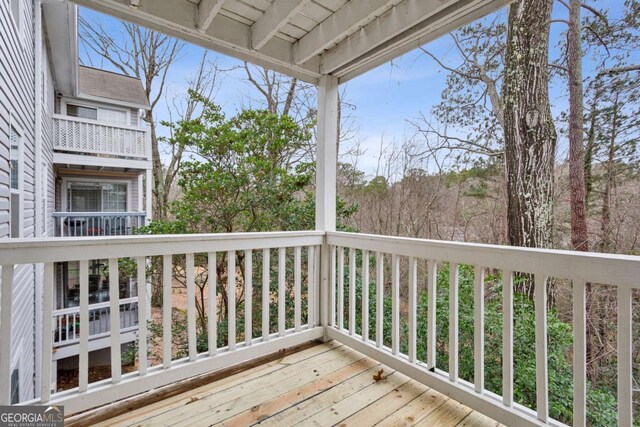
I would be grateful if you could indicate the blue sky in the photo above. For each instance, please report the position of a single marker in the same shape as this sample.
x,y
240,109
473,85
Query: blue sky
x,y
385,98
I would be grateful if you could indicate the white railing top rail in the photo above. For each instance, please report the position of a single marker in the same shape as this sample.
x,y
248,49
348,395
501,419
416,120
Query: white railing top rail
x,y
96,214
99,123
60,249
621,270
96,306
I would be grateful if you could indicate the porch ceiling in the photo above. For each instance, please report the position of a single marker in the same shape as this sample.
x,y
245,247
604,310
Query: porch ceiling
x,y
304,38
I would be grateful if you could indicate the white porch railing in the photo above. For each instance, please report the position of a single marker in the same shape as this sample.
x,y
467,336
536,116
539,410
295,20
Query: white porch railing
x,y
331,301
79,224
84,136
581,268
282,282
67,326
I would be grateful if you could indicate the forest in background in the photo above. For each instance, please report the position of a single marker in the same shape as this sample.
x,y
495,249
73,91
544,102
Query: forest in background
x,y
494,162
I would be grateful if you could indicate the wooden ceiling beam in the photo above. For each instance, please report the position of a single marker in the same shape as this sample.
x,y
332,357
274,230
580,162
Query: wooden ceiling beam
x,y
207,10
392,23
273,19
179,18
350,17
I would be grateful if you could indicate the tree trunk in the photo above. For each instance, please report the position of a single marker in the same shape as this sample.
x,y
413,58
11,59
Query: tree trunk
x,y
579,233
530,135
606,242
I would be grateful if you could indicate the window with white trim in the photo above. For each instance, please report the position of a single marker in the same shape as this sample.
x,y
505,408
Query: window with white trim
x,y
16,168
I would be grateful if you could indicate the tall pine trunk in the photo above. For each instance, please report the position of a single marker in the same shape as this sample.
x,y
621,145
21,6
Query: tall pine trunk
x,y
530,134
578,193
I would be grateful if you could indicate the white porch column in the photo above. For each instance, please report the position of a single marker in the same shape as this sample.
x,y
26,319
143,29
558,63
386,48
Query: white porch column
x,y
148,195
326,166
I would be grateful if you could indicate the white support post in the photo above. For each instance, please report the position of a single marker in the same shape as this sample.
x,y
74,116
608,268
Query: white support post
x,y
326,166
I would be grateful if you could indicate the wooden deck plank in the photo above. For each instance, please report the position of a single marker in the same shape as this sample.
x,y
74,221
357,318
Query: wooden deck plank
x,y
450,413
476,419
416,410
345,408
325,385
390,403
298,413
292,397
137,416
216,408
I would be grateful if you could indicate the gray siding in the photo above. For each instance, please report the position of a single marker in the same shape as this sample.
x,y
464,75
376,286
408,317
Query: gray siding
x,y
17,105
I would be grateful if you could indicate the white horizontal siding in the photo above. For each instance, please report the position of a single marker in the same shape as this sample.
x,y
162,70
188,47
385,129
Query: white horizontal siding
x,y
17,106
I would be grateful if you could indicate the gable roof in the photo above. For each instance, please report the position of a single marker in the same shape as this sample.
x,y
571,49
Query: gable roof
x,y
108,85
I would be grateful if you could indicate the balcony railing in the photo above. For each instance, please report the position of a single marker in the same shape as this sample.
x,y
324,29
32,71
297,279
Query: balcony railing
x,y
74,135
308,289
67,325
78,224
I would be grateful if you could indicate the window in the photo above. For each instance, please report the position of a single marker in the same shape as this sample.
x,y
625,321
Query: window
x,y
15,386
96,197
15,172
82,112
113,116
16,142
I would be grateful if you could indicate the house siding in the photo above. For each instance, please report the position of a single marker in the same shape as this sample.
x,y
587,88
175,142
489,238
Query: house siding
x,y
17,107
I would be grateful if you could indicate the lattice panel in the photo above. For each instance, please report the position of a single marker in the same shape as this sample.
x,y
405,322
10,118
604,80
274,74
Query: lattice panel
x,y
97,138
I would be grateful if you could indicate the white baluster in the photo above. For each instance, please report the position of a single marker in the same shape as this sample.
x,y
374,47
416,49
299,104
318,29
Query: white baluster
x,y
297,288
266,292
453,320
167,278
478,328
542,377
507,338
579,354
379,299
340,254
231,298
282,269
83,352
625,348
248,297
413,296
114,302
47,332
432,284
191,307
212,321
365,295
395,304
352,291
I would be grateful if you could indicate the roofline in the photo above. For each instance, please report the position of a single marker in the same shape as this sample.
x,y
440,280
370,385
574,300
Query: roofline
x,y
109,71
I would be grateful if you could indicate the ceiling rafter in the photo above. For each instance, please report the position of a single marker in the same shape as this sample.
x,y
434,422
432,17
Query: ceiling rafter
x,y
392,23
429,30
273,19
350,17
207,10
179,18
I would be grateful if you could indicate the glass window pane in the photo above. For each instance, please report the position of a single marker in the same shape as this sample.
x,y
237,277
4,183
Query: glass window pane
x,y
113,116
15,158
82,112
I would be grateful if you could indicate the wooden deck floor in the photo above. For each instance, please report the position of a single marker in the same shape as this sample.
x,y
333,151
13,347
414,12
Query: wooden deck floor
x,y
325,385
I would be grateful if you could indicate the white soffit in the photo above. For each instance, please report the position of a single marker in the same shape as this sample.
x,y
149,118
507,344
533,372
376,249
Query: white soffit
x,y
304,38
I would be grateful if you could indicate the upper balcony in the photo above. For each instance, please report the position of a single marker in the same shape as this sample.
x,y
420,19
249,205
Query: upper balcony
x,y
364,292
95,143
